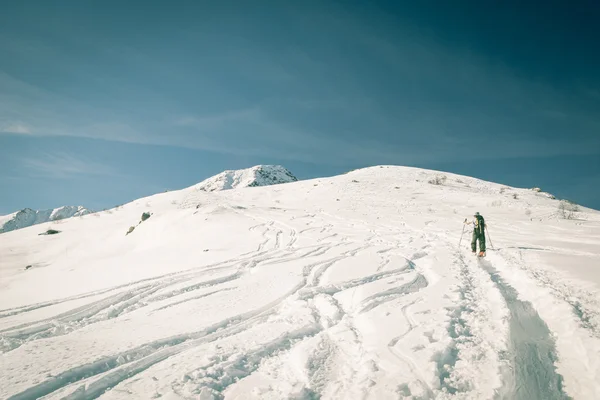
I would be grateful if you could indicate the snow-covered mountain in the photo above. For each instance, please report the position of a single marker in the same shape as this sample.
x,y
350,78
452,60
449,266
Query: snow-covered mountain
x,y
260,175
28,217
359,286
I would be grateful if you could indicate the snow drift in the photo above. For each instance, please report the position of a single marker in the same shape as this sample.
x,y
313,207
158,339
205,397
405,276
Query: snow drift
x,y
338,288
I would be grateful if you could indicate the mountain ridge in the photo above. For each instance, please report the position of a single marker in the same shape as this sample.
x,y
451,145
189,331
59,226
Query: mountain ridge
x,y
28,217
258,175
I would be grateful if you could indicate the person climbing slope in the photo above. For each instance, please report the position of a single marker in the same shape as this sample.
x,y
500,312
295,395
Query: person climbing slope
x,y
478,234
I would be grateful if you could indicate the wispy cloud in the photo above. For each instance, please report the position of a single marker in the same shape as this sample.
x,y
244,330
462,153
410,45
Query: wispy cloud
x,y
28,109
205,122
64,166
14,127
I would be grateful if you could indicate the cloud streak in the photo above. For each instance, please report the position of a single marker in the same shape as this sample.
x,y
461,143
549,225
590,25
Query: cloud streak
x,y
64,166
14,127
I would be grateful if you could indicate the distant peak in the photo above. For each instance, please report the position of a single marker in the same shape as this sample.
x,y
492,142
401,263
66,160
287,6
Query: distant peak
x,y
259,175
28,217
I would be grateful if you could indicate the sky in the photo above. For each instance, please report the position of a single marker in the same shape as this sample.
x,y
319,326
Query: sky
x,y
103,102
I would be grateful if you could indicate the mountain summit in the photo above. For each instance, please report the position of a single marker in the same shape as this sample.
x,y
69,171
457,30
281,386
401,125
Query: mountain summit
x,y
259,175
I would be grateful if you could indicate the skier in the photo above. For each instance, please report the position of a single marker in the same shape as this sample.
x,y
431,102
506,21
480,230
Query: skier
x,y
478,234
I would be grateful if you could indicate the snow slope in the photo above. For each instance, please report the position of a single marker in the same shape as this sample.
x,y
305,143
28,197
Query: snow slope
x,y
351,287
259,175
28,217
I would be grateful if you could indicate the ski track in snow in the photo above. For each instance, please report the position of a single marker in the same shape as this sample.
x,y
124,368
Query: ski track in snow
x,y
532,353
114,369
146,355
457,329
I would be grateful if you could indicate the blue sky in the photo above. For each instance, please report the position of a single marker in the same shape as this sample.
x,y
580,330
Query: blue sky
x,y
102,102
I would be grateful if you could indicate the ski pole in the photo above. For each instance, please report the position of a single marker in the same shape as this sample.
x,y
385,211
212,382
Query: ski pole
x,y
463,232
489,237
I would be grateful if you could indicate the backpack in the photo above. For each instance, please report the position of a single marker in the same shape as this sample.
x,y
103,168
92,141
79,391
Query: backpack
x,y
480,223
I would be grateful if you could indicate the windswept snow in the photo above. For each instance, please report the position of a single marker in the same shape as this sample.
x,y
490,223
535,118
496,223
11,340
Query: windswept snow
x,y
260,175
28,217
351,287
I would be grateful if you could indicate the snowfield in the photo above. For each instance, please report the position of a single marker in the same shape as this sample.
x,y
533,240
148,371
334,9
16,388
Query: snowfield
x,y
350,287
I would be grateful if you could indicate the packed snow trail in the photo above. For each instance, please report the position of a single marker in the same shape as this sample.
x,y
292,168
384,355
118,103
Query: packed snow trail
x,y
531,373
337,288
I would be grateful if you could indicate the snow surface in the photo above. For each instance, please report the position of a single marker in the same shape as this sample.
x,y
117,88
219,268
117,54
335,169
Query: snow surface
x,y
350,287
28,217
259,175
